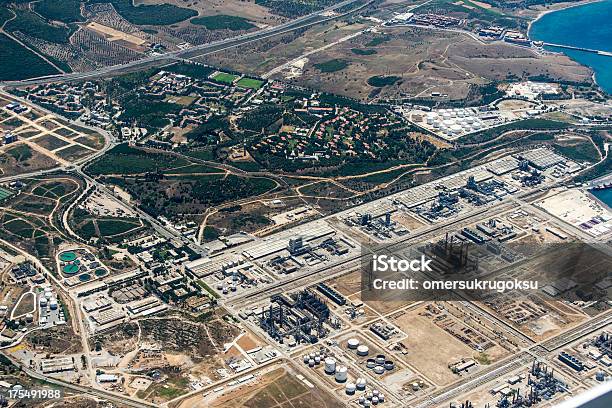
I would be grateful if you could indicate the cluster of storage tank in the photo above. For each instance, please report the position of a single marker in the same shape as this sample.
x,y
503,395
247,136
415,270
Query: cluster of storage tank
x,y
362,350
227,287
314,359
455,121
370,398
48,299
380,364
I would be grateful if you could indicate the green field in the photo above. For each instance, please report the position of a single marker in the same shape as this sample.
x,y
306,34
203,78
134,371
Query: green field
x,y
223,22
33,25
20,153
380,81
159,14
4,194
224,77
18,62
123,159
361,51
250,83
332,65
67,11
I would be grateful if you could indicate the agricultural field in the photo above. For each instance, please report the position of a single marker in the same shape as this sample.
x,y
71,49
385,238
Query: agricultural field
x,y
157,14
108,229
66,11
332,65
20,63
28,219
223,22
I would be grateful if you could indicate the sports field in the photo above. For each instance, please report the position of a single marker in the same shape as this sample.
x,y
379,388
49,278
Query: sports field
x,y
224,77
250,83
4,194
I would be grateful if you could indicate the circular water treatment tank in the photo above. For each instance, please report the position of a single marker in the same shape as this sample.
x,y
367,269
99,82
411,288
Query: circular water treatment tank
x,y
67,256
100,272
363,350
341,374
85,277
70,269
330,365
370,363
379,369
353,343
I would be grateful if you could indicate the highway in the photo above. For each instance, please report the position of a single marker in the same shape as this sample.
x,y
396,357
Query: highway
x,y
196,51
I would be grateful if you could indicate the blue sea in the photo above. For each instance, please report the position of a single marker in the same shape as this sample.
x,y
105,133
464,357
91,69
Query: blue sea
x,y
604,195
586,26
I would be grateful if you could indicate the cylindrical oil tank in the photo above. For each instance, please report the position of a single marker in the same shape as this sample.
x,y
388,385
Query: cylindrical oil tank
x,y
366,404
317,360
370,363
361,399
306,358
389,365
353,343
311,362
374,400
330,365
350,388
361,383
363,350
341,374
380,359
379,369
375,393
381,397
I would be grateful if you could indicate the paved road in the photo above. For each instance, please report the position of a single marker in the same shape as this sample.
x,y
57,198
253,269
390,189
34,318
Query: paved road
x,y
193,52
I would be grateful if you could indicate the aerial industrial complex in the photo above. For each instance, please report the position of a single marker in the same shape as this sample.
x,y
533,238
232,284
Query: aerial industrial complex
x,y
279,204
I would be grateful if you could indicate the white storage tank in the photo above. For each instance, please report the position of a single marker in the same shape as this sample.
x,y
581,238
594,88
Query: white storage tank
x,y
350,388
330,365
53,304
353,343
306,359
370,363
311,362
363,350
379,369
361,383
341,374
375,400
380,359
389,365
317,360
43,302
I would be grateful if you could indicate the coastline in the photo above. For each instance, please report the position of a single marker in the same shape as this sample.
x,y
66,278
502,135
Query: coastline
x,y
566,6
597,200
563,7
